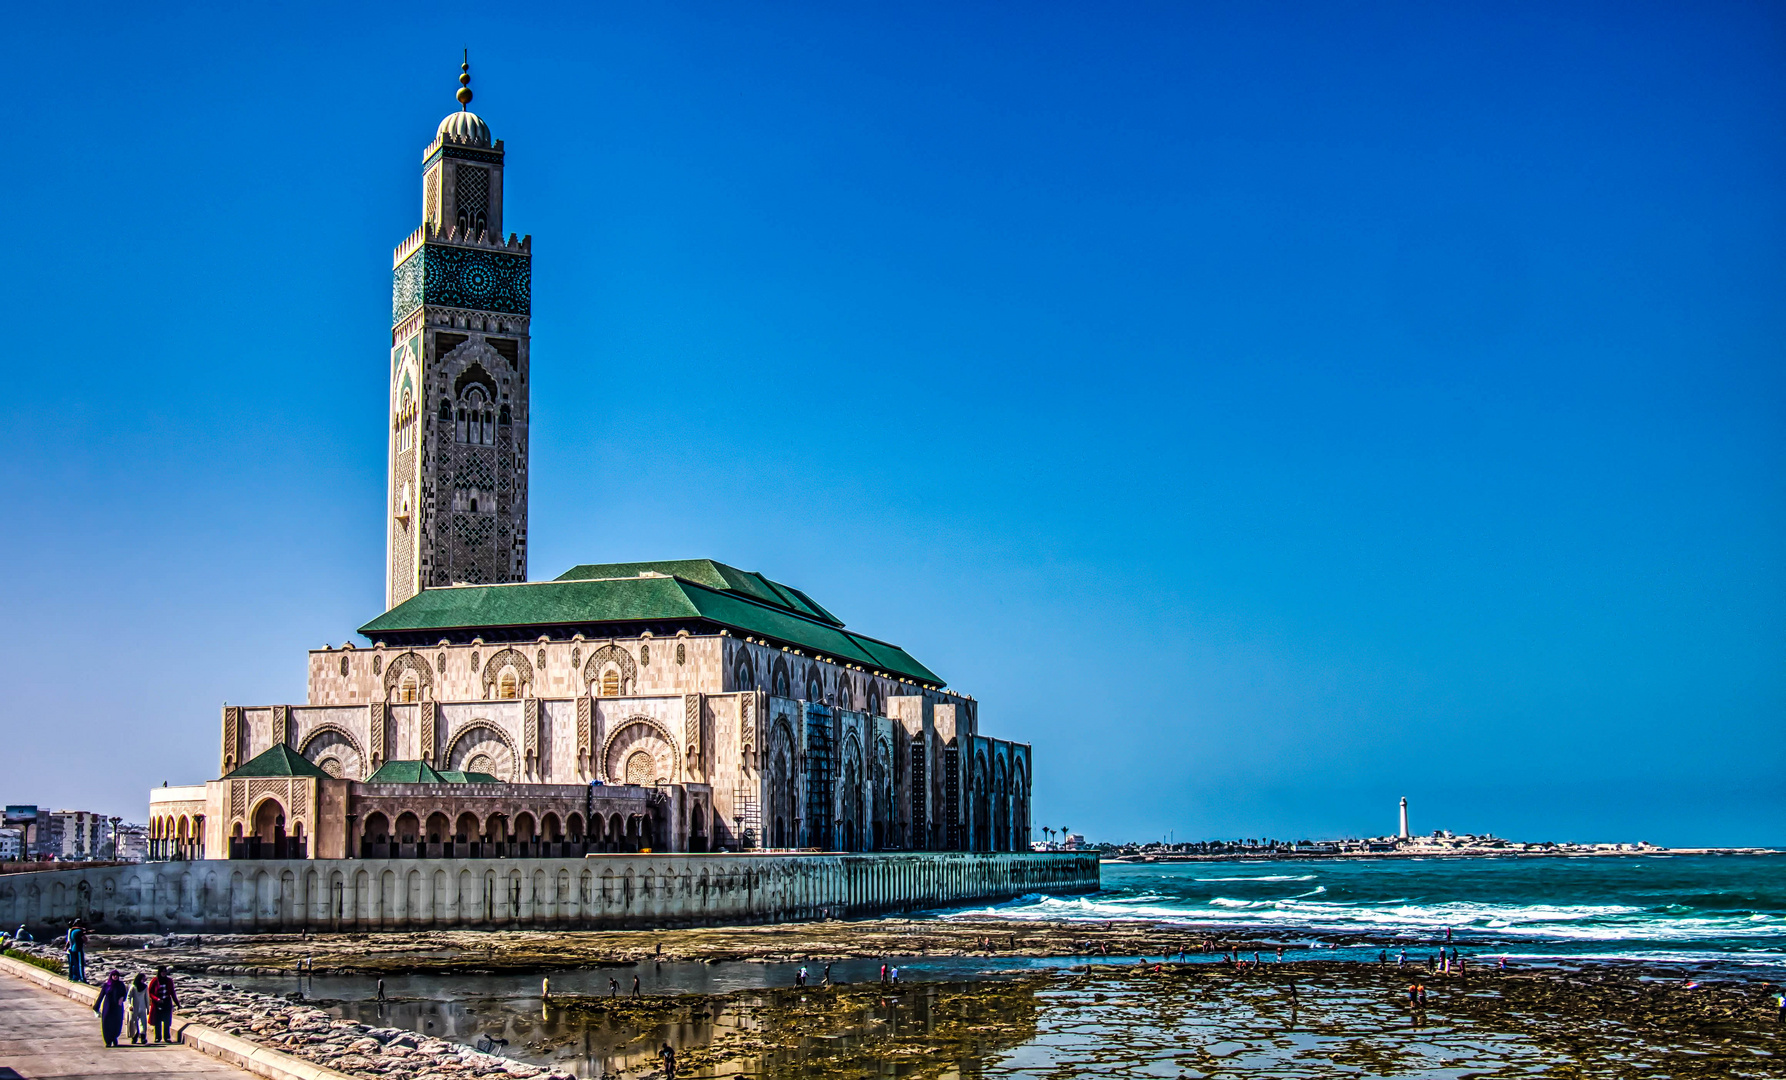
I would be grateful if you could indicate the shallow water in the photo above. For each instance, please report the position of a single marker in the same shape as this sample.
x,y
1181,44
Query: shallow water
x,y
1111,1024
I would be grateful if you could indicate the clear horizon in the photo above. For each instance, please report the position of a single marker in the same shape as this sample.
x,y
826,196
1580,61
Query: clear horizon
x,y
1266,413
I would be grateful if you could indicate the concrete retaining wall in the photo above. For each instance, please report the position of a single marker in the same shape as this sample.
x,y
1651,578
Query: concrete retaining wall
x,y
597,892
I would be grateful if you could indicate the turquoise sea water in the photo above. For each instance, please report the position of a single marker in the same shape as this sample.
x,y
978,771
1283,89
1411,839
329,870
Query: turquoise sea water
x,y
1722,909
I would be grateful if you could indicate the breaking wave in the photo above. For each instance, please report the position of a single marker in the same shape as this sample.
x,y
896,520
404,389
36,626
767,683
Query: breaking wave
x,y
1639,907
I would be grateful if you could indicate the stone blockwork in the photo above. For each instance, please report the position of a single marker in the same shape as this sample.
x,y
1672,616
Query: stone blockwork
x,y
598,892
798,751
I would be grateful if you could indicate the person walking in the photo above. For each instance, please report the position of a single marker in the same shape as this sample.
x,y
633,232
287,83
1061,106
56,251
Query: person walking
x,y
109,1007
75,952
381,989
800,976
883,974
827,979
895,974
613,986
636,987
139,1009
163,1000
668,1057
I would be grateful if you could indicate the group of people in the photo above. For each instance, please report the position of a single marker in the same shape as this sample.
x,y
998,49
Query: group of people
x,y
148,1003
614,987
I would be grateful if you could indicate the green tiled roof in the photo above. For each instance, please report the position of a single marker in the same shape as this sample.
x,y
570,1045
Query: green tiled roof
x,y
691,590
420,772
714,575
406,772
279,760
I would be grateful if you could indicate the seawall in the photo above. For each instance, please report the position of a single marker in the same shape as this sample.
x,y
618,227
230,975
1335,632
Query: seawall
x,y
606,892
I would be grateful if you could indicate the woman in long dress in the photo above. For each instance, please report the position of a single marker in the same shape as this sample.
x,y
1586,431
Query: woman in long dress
x,y
139,1009
110,1007
162,1001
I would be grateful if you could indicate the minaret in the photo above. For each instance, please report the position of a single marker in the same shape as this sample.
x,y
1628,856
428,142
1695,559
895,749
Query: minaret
x,y
460,305
1404,832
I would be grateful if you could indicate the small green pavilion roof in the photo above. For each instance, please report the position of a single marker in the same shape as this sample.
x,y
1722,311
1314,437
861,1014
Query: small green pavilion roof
x,y
689,591
406,772
280,760
420,772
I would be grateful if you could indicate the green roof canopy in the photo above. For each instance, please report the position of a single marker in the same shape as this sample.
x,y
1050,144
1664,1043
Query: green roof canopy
x,y
406,772
279,760
420,772
697,592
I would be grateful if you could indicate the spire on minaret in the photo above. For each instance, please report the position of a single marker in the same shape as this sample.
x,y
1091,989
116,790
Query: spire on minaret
x,y
464,94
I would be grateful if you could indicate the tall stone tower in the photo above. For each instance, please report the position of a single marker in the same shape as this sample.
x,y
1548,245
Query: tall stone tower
x,y
460,304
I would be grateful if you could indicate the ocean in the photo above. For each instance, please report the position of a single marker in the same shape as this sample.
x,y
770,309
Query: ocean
x,y
1723,910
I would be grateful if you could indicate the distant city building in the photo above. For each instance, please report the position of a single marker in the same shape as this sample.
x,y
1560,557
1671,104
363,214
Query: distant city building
x,y
75,834
12,844
133,842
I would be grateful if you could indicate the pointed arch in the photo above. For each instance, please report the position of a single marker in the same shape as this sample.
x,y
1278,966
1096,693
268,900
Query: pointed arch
x,y
483,738
507,658
409,663
634,735
623,666
326,743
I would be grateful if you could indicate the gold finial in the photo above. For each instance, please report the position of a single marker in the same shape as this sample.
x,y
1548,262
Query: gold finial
x,y
464,94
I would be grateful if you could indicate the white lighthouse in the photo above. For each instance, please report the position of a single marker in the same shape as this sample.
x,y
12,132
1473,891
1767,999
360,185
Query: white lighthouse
x,y
1404,832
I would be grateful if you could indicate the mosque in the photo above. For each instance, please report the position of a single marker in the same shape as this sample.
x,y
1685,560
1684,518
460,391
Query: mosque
x,y
680,705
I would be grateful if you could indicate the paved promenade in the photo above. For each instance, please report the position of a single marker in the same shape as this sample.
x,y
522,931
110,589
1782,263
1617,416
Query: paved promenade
x,y
45,1036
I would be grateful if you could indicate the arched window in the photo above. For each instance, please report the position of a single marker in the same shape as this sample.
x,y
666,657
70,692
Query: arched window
x,y
506,684
406,690
475,420
639,768
610,685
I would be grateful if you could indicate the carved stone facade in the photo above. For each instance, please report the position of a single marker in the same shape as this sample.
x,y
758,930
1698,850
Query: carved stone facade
x,y
751,714
461,297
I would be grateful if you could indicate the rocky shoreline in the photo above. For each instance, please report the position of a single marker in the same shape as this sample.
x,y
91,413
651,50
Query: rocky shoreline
x,y
486,952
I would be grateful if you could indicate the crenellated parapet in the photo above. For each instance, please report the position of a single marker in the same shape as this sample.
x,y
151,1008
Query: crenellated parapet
x,y
427,232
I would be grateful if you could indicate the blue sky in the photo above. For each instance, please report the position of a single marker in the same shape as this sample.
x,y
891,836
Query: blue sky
x,y
1268,411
